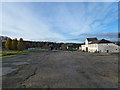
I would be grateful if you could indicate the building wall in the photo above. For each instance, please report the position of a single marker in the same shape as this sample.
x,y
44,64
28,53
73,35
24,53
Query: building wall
x,y
105,47
83,47
110,47
92,47
86,41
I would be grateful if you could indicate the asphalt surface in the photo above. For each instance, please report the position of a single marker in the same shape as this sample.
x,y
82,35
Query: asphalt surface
x,y
60,69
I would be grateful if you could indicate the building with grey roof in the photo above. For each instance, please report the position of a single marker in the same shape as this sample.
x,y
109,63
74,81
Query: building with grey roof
x,y
95,45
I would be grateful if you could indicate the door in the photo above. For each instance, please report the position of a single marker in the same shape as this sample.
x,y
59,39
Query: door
x,y
86,49
107,51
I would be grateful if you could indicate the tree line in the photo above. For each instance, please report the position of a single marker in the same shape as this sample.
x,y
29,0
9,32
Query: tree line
x,y
14,44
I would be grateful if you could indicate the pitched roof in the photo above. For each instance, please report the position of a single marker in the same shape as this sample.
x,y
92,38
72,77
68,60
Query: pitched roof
x,y
102,41
95,40
92,39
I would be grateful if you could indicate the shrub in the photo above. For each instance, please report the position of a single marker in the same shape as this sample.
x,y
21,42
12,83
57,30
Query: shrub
x,y
14,44
20,45
8,44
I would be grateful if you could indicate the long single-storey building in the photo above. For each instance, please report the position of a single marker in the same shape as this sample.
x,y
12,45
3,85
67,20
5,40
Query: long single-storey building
x,y
95,45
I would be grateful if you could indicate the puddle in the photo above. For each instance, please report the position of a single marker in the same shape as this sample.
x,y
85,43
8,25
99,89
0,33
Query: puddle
x,y
20,63
6,70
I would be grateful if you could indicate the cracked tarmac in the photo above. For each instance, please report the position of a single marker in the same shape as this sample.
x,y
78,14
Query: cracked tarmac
x,y
60,69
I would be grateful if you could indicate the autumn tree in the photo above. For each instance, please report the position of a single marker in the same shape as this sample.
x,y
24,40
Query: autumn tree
x,y
8,44
14,44
20,45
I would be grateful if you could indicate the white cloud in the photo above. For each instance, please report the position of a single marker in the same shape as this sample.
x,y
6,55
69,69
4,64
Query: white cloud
x,y
24,24
20,21
60,0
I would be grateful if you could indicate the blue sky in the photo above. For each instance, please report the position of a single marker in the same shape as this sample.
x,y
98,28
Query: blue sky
x,y
60,21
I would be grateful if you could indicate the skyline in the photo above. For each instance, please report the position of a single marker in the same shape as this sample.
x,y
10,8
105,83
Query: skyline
x,y
60,22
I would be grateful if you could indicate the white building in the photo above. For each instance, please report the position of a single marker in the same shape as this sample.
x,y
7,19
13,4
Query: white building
x,y
95,45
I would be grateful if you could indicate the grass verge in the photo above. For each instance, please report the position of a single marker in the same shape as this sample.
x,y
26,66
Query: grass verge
x,y
10,53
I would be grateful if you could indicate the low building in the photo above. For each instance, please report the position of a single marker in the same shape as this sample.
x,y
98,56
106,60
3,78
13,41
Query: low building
x,y
95,45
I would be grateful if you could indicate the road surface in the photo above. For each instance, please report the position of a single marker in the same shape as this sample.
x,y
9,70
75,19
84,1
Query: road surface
x,y
60,69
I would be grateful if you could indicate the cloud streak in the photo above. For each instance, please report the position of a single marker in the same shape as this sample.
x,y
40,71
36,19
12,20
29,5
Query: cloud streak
x,y
26,25
106,35
58,21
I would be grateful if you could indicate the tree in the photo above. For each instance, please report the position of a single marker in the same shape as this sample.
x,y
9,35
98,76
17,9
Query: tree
x,y
8,44
14,44
20,45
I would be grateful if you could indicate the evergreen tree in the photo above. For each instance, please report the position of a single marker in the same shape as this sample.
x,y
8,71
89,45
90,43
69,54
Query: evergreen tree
x,y
8,44
20,45
14,44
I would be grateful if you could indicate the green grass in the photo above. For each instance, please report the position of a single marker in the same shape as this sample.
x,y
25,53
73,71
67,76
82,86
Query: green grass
x,y
10,53
7,56
115,52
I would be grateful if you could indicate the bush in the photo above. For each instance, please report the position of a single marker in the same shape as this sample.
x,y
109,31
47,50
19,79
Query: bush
x,y
14,44
20,45
8,44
